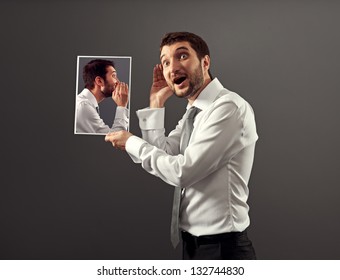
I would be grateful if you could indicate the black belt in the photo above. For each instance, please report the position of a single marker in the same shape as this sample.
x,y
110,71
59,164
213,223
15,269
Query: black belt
x,y
211,239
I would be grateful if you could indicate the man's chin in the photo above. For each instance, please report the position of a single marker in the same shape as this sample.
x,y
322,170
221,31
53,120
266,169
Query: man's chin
x,y
185,93
107,94
181,93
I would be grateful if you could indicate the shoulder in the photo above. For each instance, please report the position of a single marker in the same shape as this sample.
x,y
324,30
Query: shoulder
x,y
227,105
83,100
85,107
230,99
83,103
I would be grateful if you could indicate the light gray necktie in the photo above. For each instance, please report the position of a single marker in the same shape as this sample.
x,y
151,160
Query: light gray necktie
x,y
185,137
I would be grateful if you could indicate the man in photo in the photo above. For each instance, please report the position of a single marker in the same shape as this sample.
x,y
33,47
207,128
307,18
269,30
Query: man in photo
x,y
101,81
208,157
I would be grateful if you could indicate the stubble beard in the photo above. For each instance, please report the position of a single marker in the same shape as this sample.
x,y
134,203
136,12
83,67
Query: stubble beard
x,y
108,90
195,84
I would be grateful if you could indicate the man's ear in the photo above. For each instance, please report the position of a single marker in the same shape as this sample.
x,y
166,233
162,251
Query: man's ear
x,y
206,62
99,81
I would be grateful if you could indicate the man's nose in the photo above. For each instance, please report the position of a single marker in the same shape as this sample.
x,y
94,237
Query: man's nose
x,y
174,66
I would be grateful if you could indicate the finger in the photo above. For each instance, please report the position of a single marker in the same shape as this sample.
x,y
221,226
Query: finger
x,y
159,77
122,89
126,89
160,72
157,73
155,78
114,93
110,137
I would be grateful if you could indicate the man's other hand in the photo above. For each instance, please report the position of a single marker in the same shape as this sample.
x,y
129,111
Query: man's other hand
x,y
121,94
118,138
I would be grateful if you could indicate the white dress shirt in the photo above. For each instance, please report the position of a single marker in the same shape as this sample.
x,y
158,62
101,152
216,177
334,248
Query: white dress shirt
x,y
88,119
216,165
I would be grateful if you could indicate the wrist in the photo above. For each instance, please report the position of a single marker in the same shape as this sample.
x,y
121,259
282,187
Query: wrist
x,y
120,104
156,103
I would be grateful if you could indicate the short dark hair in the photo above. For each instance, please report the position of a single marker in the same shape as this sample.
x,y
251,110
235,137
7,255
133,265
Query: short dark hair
x,y
96,67
196,42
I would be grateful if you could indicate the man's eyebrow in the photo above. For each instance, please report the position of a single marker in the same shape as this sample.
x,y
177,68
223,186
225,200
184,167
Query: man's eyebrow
x,y
182,48
179,48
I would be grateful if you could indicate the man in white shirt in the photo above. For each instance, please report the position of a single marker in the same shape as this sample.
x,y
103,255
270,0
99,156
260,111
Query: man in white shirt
x,y
101,81
214,169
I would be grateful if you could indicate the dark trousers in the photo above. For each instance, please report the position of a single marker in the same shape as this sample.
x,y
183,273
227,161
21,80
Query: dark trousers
x,y
224,246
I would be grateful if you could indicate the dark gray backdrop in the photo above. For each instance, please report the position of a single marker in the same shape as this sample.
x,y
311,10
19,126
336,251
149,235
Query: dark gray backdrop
x,y
66,196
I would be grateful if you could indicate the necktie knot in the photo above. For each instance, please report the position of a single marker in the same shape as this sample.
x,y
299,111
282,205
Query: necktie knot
x,y
192,112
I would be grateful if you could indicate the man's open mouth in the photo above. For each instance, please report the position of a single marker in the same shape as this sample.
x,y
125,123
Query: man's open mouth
x,y
179,80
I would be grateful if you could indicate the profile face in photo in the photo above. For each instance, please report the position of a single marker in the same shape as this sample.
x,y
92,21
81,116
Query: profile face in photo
x,y
102,94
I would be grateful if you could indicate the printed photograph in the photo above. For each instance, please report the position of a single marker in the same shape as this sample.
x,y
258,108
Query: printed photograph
x,y
102,94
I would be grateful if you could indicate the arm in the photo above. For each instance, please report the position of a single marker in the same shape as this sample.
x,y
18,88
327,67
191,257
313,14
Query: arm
x,y
218,137
151,120
88,120
121,121
121,97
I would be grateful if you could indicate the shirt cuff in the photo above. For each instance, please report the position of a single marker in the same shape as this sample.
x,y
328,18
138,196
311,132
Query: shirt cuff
x,y
133,146
151,118
122,113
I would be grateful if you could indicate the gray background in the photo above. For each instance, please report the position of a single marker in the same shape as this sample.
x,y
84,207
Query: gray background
x,y
107,107
66,196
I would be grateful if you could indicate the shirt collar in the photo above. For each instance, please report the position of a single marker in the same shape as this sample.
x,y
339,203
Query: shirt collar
x,y
208,95
89,95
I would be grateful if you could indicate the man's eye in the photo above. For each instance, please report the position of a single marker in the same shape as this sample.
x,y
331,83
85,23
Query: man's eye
x,y
165,63
183,56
